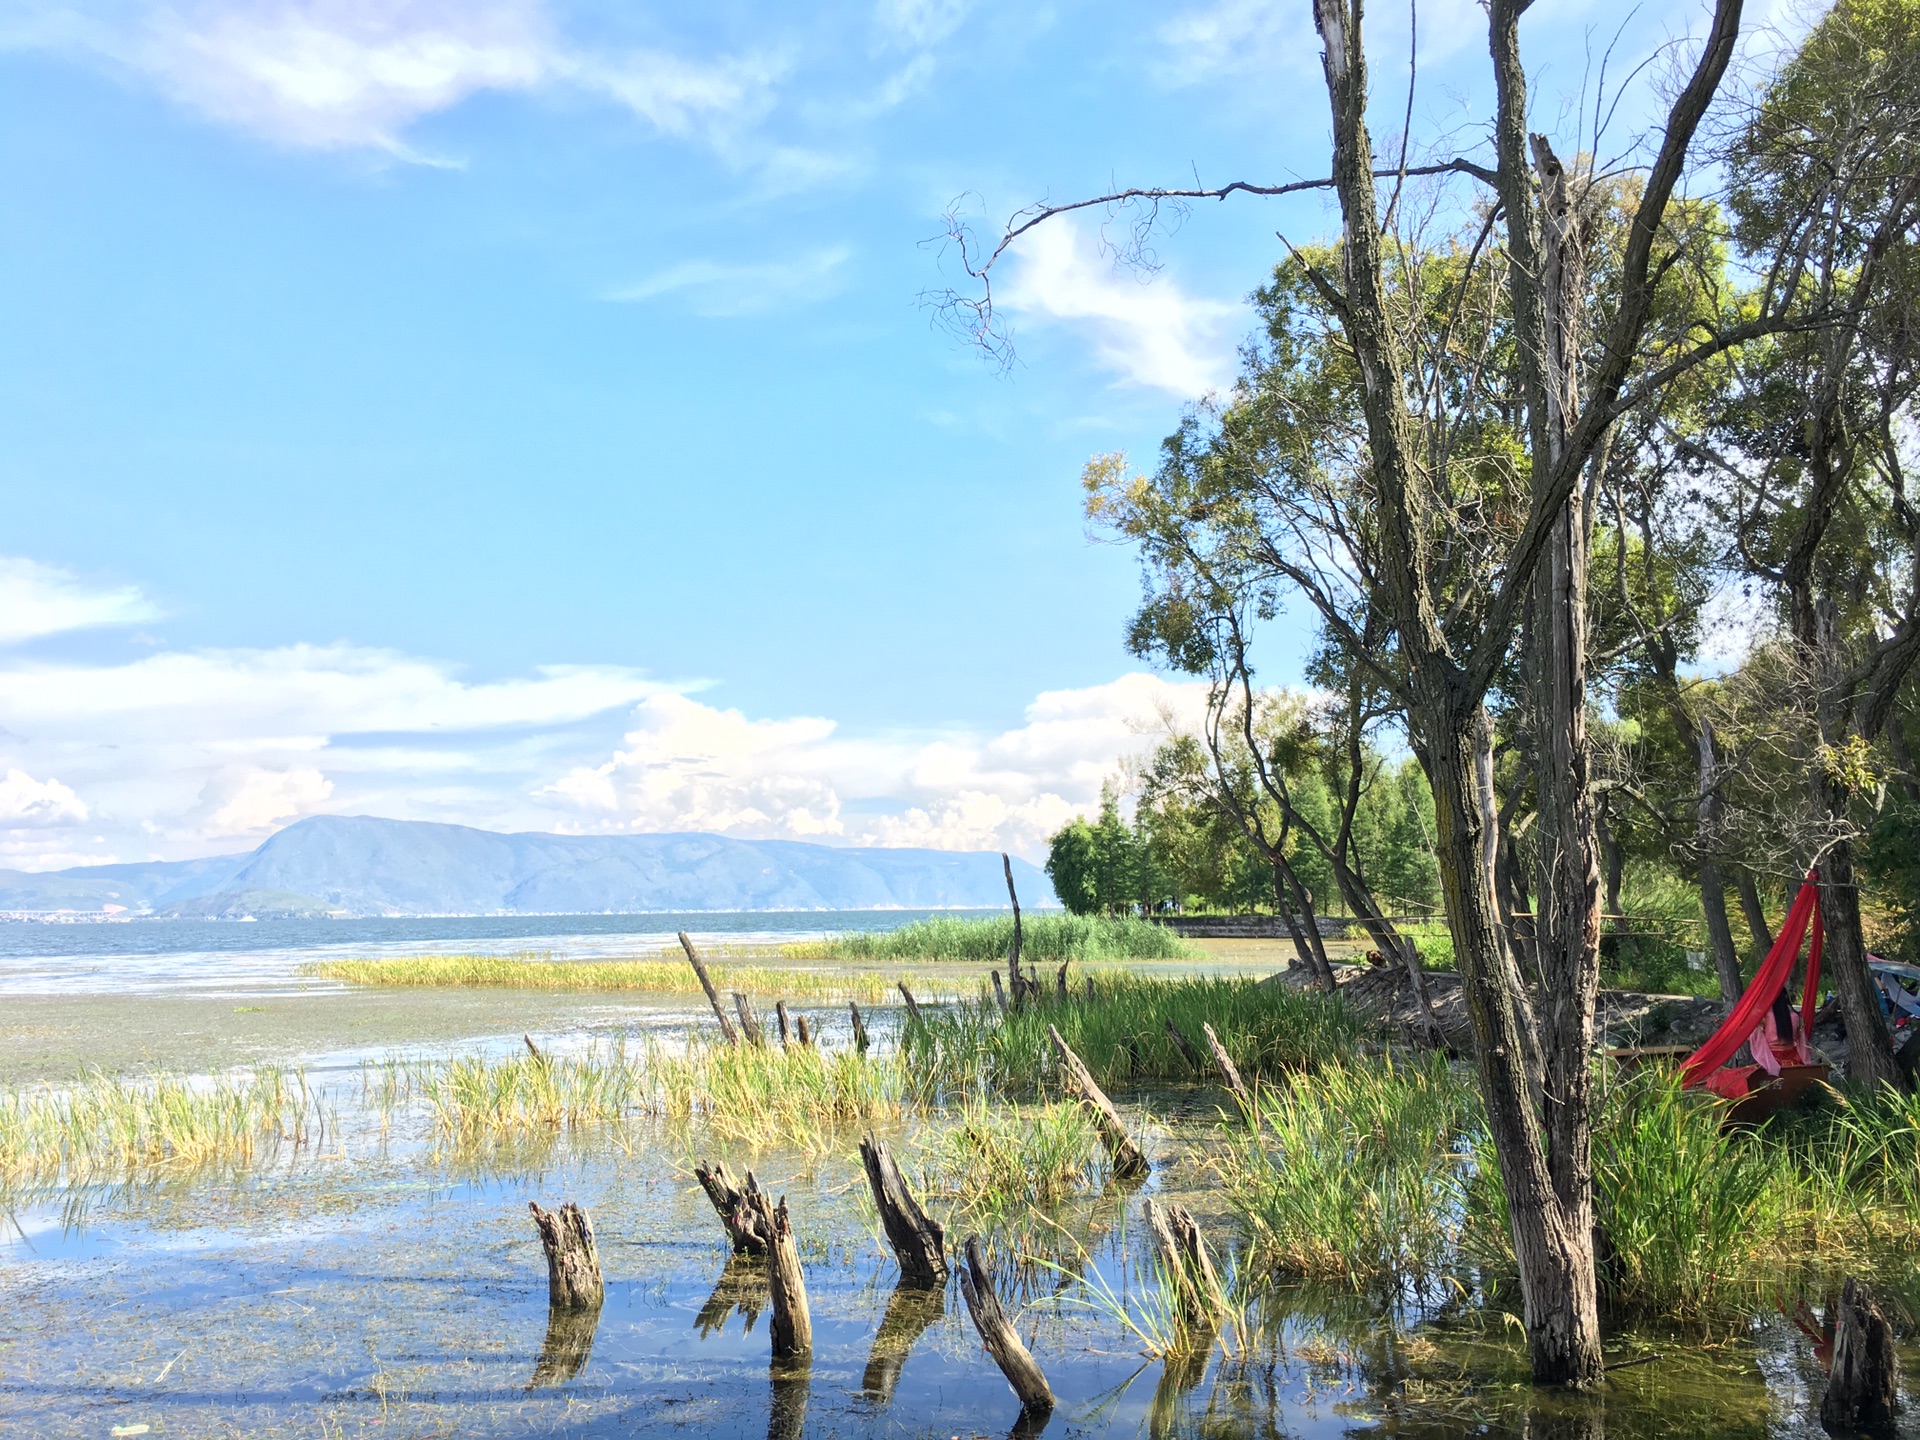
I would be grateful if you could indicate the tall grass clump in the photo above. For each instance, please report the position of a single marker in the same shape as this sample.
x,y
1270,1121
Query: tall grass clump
x,y
1355,1172
1121,1033
1044,939
990,1159
671,977
472,1096
105,1125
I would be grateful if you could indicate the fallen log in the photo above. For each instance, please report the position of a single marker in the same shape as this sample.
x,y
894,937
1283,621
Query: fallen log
x,y
913,1005
792,1325
1198,1296
706,984
1128,1158
1228,1070
1861,1389
573,1265
859,1027
749,1022
918,1241
730,1203
1003,1343
1185,1047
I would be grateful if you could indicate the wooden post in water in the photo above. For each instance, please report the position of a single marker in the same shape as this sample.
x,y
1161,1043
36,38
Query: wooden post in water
x,y
1013,953
859,1027
1060,981
1185,1047
786,1033
706,984
1003,1343
792,1324
913,1005
573,1265
1861,1391
1228,1070
730,1203
918,1241
1183,1250
999,993
1128,1158
749,1022
801,1029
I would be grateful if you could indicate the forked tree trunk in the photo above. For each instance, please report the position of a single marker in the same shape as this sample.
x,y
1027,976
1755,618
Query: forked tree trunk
x,y
791,1328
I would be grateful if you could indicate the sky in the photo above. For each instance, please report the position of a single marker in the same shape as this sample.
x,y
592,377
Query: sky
x,y
537,416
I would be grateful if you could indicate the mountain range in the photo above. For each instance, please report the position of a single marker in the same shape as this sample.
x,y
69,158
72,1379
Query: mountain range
x,y
359,865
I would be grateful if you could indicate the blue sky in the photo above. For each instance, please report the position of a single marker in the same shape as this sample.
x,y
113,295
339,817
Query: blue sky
x,y
528,414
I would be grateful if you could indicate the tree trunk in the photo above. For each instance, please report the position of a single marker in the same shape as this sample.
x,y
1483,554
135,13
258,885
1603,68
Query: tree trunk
x,y
998,1335
859,1027
1199,1298
913,1005
786,1023
1752,910
1713,904
749,1022
791,1328
1229,1072
1128,1158
730,1203
918,1242
1862,1390
1185,1047
706,984
573,1264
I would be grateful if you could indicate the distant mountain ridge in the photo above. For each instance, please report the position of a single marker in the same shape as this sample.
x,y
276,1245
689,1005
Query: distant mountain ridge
x,y
361,866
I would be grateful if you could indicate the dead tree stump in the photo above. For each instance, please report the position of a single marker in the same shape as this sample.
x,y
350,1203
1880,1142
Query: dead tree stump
x,y
749,1022
1089,989
913,1005
1128,1158
801,1029
918,1241
1003,1343
1060,982
786,1025
1861,1390
1198,1297
1228,1070
999,993
706,984
1185,1047
730,1203
859,1027
792,1323
573,1265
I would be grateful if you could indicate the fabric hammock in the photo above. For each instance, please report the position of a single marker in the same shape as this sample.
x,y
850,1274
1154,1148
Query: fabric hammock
x,y
1747,1018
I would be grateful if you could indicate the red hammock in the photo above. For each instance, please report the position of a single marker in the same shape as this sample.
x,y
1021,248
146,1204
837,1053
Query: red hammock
x,y
1741,1025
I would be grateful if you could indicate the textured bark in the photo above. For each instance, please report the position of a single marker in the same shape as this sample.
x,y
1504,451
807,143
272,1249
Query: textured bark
x,y
567,1347
859,1027
1862,1390
573,1265
999,993
791,1328
1183,1250
706,984
749,1022
1003,1343
730,1202
1229,1072
802,1031
1128,1158
911,1311
786,1023
1754,912
1185,1047
913,1005
918,1241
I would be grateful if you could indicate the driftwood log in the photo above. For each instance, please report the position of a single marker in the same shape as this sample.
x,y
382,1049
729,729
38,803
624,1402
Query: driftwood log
x,y
800,1028
573,1265
1003,1343
730,1203
706,984
1861,1390
913,1005
1198,1297
749,1022
1128,1158
918,1241
786,1024
911,1310
859,1027
999,993
1185,1047
792,1325
1229,1072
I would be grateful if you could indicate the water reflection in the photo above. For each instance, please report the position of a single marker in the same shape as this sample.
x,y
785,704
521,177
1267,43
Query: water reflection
x,y
744,1287
568,1344
910,1311
791,1383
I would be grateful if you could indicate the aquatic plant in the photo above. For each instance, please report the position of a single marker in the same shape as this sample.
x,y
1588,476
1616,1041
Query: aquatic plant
x,y
990,1159
1044,939
669,977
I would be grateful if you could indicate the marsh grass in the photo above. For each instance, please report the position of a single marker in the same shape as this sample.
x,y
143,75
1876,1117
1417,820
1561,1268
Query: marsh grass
x,y
666,977
105,1126
991,1160
1121,1033
1045,940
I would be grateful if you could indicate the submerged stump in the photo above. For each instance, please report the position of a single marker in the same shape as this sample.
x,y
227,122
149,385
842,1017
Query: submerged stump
x,y
792,1325
573,1265
859,1027
706,984
801,1029
1229,1072
1185,1047
786,1024
1128,1158
1003,1343
1198,1296
749,1022
917,1240
1860,1396
1000,992
730,1202
913,1005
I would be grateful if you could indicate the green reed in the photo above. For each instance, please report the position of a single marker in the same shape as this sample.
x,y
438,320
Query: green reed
x,y
991,1159
1045,939
672,977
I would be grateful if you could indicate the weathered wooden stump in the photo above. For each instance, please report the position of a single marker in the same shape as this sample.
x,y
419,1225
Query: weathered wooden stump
x,y
573,1265
706,984
792,1324
730,1203
918,1241
1861,1391
786,1024
999,993
1229,1072
1128,1158
1198,1297
911,1310
749,1022
1185,1047
859,1027
1060,982
801,1029
567,1348
998,1335
913,1005
1090,995
742,1287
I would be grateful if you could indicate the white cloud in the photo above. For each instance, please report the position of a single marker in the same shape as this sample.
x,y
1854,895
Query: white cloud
x,y
1233,37
919,22
260,798
38,600
1146,328
25,801
719,289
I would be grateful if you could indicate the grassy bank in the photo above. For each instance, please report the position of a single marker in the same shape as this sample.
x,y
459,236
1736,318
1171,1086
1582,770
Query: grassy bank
x,y
1045,939
663,977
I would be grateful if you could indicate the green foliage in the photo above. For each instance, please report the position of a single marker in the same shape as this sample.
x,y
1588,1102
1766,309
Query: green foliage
x,y
1106,868
1044,939
992,1159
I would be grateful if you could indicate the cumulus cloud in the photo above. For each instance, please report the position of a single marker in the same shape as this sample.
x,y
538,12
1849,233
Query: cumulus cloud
x,y
716,288
25,802
1146,329
260,798
37,600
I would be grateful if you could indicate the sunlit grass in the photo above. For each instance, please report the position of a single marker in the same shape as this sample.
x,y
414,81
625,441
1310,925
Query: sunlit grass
x,y
989,1159
1045,940
667,977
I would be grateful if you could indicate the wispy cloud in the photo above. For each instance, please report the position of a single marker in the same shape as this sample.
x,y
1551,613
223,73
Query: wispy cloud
x,y
1144,328
919,23
721,288
37,600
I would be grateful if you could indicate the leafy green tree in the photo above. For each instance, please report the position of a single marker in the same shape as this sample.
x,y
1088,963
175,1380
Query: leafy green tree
x,y
1070,865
